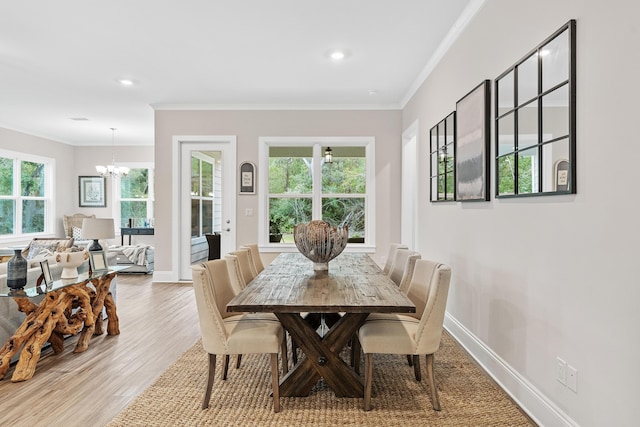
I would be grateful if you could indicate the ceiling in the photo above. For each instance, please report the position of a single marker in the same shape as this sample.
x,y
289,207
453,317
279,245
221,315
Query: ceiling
x,y
62,60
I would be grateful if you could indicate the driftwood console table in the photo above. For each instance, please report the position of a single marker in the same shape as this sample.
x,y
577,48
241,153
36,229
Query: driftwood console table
x,y
69,307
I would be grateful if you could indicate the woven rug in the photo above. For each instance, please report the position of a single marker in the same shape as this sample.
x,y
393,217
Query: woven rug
x,y
467,396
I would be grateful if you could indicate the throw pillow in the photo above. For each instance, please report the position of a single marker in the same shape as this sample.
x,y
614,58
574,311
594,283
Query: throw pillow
x,y
77,233
41,250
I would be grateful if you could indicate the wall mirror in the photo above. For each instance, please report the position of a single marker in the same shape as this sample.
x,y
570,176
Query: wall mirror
x,y
535,118
442,159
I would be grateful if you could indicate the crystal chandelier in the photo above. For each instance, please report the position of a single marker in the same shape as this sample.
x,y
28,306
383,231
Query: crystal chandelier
x,y
112,170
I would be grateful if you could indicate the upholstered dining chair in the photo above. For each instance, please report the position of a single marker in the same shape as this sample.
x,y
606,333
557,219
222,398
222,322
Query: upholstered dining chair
x,y
254,253
403,334
226,333
247,272
392,255
401,270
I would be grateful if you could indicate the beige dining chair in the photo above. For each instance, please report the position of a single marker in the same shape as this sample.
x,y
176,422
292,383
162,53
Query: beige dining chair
x,y
391,256
402,334
247,272
254,253
226,333
402,269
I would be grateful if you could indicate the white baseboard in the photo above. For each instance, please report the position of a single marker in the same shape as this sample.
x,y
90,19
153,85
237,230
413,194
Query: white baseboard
x,y
164,276
542,410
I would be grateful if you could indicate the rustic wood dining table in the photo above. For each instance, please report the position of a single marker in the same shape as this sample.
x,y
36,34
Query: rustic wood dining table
x,y
354,286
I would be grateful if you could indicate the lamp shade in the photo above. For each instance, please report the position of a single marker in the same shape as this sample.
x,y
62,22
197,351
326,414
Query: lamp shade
x,y
98,228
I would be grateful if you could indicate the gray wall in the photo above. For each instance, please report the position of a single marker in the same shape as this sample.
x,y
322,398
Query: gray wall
x,y
538,278
248,126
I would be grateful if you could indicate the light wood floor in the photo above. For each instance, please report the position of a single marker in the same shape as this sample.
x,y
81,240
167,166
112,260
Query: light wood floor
x,y
158,322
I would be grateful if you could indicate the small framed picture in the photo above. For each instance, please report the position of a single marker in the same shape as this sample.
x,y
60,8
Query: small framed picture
x,y
97,261
247,178
46,272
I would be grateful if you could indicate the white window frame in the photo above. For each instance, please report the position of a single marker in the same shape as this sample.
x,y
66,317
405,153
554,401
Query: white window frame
x,y
49,197
318,144
117,199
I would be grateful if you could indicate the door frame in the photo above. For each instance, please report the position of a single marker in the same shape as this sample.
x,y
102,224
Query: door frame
x,y
182,243
409,186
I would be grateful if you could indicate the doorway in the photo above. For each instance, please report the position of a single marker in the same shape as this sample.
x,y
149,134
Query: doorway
x,y
206,199
409,192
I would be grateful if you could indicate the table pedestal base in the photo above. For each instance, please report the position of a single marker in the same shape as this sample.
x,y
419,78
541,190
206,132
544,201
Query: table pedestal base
x,y
321,359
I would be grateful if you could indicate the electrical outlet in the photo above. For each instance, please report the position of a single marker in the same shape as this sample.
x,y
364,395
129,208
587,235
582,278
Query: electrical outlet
x,y
561,371
572,378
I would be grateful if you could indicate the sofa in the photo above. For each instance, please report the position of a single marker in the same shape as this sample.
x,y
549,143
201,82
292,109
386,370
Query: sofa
x,y
136,259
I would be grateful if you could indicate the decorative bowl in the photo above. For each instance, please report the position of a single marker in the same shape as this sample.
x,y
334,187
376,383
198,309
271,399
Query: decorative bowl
x,y
70,261
320,242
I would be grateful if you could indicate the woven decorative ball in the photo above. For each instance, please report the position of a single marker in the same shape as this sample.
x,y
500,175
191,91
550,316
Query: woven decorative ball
x,y
320,242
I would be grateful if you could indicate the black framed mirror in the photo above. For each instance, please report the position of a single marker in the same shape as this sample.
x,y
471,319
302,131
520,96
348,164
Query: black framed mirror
x,y
442,159
535,120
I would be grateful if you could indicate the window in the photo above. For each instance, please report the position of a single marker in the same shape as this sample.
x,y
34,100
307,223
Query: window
x,y
136,196
25,194
205,193
300,186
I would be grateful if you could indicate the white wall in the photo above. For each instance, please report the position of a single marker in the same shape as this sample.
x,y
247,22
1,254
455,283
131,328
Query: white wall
x,y
248,126
542,277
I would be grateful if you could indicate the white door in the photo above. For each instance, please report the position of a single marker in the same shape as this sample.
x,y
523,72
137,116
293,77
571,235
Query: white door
x,y
210,207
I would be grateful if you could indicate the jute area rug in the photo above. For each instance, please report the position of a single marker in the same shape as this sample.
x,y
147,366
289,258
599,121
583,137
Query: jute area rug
x,y
467,396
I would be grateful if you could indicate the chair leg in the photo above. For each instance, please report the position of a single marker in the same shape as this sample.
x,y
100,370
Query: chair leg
x,y
355,354
238,360
225,370
432,383
409,360
212,374
368,362
285,358
275,382
416,367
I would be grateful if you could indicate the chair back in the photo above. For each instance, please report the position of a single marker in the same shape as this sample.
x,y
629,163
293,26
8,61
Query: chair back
x,y
246,269
254,252
392,255
437,277
212,288
235,274
402,269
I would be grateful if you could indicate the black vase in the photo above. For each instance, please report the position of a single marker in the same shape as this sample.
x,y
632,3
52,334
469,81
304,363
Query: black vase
x,y
17,271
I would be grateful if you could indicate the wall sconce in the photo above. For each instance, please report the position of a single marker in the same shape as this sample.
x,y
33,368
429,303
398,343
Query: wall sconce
x,y
328,155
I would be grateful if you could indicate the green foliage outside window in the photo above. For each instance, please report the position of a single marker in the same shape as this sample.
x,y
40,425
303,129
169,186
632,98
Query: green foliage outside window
x,y
29,192
346,175
134,186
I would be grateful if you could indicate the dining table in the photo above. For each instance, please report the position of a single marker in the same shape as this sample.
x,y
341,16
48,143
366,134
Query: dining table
x,y
352,288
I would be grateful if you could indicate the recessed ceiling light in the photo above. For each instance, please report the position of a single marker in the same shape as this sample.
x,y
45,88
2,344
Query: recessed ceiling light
x,y
373,92
125,82
79,119
337,55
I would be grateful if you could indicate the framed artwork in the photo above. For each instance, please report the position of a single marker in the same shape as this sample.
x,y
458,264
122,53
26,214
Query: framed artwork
x,y
473,144
97,261
91,191
247,178
46,272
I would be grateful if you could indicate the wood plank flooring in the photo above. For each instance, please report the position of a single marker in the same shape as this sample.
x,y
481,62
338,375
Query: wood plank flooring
x,y
158,322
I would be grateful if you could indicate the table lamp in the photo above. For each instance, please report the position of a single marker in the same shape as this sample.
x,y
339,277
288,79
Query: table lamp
x,y
97,228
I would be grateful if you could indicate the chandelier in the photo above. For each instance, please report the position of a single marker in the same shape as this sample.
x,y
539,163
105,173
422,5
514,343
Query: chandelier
x,y
112,170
